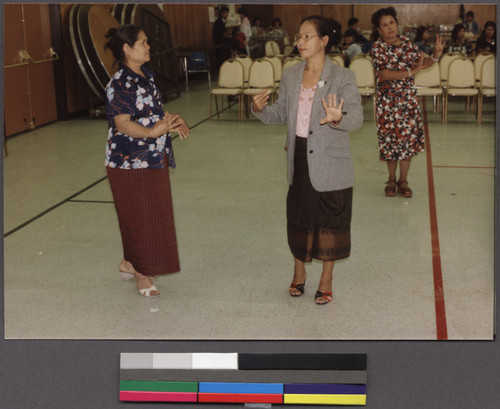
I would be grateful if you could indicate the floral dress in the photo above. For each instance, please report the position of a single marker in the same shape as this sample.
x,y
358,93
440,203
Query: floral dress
x,y
135,95
399,120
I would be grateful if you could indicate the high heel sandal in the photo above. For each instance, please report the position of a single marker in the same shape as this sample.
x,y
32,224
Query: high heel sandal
x,y
146,292
319,294
299,287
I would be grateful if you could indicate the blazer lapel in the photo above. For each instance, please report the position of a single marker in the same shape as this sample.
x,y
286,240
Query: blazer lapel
x,y
294,95
318,112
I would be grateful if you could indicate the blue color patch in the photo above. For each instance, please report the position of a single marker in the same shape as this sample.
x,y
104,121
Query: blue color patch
x,y
229,387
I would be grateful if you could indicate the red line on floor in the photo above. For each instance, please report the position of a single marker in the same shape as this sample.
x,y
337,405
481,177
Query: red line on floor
x,y
441,326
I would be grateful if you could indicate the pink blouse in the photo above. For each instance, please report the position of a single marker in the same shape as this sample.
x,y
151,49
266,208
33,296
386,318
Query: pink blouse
x,y
304,110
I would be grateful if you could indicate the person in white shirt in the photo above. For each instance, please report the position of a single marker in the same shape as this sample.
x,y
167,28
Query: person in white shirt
x,y
246,27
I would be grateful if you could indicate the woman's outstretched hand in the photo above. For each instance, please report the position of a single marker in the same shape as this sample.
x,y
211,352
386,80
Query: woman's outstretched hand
x,y
260,100
332,109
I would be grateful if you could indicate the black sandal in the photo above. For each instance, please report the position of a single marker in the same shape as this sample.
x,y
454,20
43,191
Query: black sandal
x,y
327,295
299,287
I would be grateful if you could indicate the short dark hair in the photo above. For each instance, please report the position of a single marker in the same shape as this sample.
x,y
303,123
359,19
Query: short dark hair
x,y
469,13
277,19
223,8
352,21
387,11
326,27
118,37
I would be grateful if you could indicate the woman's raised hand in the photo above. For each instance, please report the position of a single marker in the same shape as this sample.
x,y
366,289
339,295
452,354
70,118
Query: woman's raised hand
x,y
260,100
332,109
438,50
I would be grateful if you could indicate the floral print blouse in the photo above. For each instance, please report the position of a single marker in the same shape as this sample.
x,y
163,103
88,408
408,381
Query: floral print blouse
x,y
133,94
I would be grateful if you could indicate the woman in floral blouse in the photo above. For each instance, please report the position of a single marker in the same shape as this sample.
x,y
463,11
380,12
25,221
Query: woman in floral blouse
x,y
138,154
396,60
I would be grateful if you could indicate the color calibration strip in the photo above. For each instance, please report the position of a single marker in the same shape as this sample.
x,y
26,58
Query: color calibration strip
x,y
324,379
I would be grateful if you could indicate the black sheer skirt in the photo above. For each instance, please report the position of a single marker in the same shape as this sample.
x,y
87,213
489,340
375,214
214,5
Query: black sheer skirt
x,y
318,223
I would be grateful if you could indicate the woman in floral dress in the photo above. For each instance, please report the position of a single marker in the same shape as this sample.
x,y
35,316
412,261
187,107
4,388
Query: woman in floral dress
x,y
138,154
396,60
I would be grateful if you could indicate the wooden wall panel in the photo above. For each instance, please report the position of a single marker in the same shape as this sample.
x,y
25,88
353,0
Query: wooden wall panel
x,y
264,11
340,12
189,23
291,15
29,93
16,102
38,39
42,93
13,30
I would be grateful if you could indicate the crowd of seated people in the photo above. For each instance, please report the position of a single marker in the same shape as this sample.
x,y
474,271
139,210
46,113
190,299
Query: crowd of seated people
x,y
354,43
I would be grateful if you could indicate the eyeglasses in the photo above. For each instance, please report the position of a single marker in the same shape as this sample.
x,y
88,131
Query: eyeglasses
x,y
306,36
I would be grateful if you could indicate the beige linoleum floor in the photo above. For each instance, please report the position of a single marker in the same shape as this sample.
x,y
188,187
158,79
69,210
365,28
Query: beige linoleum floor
x,y
62,244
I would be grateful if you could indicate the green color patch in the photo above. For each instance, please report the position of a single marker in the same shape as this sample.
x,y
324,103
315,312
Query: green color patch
x,y
158,386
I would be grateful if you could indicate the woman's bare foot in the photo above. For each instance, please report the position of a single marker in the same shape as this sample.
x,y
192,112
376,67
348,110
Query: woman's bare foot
x,y
127,267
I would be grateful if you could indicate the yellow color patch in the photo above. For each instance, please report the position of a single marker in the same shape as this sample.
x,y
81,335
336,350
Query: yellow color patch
x,y
325,399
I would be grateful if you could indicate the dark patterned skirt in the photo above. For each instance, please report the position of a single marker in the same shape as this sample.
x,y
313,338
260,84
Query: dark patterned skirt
x,y
143,201
318,223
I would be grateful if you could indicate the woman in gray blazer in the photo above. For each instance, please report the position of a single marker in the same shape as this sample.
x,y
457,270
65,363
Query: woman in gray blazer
x,y
320,102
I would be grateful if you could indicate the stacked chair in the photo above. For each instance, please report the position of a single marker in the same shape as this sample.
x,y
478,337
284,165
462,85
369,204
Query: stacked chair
x,y
461,81
261,76
428,83
487,84
231,83
365,77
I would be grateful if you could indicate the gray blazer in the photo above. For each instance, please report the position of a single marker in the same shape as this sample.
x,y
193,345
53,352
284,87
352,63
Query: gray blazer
x,y
328,149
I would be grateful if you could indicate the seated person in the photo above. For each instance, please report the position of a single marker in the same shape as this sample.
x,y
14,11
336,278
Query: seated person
x,y
458,41
469,24
257,29
276,29
421,40
351,47
486,41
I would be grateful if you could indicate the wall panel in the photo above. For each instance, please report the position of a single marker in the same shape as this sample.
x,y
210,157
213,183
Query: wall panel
x,y
189,23
291,15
